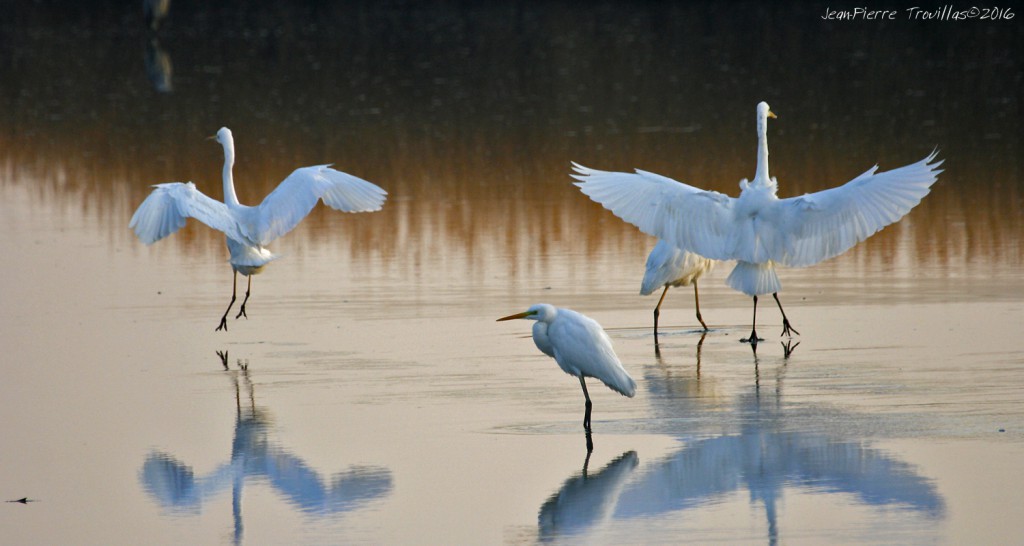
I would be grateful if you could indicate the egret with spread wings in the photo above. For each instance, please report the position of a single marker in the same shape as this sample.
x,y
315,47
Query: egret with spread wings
x,y
757,229
250,229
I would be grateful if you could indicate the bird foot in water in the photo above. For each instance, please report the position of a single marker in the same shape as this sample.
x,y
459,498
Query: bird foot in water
x,y
753,339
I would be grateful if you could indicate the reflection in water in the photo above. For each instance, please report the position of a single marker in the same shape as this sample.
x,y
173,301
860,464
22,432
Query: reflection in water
x,y
766,459
586,499
158,66
763,458
255,457
476,153
155,11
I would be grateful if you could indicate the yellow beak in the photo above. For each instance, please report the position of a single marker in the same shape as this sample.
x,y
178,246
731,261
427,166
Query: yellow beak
x,y
515,316
771,114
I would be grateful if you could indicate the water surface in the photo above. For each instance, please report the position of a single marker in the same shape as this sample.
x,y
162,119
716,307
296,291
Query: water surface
x,y
370,396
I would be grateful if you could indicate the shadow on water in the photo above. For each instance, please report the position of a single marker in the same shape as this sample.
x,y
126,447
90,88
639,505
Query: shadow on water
x,y
765,458
257,458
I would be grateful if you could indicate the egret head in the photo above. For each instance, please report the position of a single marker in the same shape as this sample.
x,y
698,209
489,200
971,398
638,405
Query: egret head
x,y
225,139
223,136
764,111
541,311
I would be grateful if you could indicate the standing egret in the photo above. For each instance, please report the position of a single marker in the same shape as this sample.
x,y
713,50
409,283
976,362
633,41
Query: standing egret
x,y
580,347
250,229
668,266
757,229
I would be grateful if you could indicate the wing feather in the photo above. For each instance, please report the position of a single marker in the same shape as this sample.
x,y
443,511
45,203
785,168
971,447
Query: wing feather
x,y
825,224
582,347
667,264
687,217
797,231
170,205
296,196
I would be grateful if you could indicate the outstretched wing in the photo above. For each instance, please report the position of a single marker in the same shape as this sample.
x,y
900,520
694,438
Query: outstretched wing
x,y
796,232
292,200
821,225
167,208
687,217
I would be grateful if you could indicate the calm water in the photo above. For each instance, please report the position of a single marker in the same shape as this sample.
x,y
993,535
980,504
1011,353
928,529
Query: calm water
x,y
371,398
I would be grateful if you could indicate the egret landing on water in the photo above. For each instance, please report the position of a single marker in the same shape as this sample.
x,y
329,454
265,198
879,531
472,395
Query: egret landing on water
x,y
668,266
580,347
757,229
250,229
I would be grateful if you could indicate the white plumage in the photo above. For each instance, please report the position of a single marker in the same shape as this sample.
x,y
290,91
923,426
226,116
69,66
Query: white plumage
x,y
668,266
757,228
250,229
580,347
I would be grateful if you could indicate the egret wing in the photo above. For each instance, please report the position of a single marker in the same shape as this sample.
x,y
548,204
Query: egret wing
x,y
170,205
292,200
662,267
824,224
582,347
687,217
667,264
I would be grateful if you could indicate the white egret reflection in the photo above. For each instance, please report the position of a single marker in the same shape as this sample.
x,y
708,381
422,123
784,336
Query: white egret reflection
x,y
586,499
764,458
257,458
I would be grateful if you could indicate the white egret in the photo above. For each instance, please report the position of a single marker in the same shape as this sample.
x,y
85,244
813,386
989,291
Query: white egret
x,y
668,266
580,347
250,229
757,229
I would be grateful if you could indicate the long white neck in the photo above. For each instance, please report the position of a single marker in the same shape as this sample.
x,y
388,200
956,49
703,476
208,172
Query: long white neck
x,y
761,174
230,198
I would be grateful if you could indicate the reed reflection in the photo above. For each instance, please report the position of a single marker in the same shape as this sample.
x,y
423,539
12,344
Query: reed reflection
x,y
256,457
478,152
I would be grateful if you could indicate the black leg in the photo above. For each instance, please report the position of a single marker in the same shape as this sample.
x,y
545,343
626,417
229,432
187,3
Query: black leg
x,y
588,406
657,312
224,319
241,312
753,339
786,328
696,303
